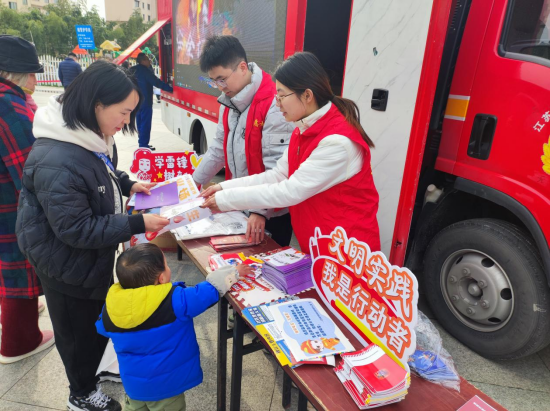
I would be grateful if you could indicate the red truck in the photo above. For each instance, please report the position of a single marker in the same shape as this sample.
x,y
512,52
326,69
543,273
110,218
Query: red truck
x,y
456,96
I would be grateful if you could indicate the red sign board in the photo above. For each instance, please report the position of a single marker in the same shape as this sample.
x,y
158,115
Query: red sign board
x,y
376,300
157,167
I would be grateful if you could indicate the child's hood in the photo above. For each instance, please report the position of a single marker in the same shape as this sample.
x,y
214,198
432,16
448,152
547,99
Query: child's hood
x,y
130,307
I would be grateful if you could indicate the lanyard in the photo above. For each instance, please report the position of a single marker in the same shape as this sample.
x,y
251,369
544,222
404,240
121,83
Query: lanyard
x,y
105,160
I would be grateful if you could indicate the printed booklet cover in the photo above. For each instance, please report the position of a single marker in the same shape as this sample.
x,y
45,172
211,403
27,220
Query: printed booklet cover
x,y
165,195
300,329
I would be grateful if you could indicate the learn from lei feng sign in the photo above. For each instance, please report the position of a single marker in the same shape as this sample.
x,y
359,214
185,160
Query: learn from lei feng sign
x,y
158,167
375,300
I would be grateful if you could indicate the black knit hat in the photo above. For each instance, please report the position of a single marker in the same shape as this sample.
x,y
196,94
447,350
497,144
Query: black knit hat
x,y
18,56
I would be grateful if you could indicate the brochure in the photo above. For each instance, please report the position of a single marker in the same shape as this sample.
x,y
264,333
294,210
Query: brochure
x,y
185,212
160,196
300,329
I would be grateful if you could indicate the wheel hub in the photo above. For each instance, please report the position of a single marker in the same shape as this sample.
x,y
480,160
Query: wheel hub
x,y
477,290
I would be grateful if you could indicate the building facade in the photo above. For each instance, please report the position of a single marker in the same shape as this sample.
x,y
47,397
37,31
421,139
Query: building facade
x,y
26,5
121,10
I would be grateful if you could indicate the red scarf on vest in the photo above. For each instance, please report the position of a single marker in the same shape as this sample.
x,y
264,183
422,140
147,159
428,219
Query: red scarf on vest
x,y
254,125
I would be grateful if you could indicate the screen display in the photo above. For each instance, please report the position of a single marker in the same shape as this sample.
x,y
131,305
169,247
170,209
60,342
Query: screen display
x,y
259,25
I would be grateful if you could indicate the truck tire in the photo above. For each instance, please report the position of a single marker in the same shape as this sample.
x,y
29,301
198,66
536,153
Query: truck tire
x,y
200,144
486,285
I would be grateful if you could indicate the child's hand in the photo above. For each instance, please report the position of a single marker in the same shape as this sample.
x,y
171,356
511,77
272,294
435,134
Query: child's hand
x,y
244,270
223,278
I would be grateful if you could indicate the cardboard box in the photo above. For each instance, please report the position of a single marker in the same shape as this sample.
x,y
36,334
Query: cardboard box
x,y
166,242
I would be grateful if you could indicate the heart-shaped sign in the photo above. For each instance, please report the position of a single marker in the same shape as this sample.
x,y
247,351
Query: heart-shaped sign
x,y
374,299
195,160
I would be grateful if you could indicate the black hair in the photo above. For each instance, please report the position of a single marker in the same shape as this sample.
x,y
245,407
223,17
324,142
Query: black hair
x,y
140,57
71,54
225,51
303,71
125,64
102,83
140,266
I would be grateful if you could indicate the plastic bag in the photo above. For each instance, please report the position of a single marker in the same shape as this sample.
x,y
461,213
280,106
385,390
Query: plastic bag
x,y
430,360
109,361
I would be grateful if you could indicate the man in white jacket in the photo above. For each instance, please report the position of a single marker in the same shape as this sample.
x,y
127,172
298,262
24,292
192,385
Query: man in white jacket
x,y
252,133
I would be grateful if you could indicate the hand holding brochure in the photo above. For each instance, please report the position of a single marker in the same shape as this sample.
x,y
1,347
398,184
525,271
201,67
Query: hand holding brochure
x,y
186,211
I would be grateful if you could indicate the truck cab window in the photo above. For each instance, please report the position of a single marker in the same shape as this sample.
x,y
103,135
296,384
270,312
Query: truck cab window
x,y
527,30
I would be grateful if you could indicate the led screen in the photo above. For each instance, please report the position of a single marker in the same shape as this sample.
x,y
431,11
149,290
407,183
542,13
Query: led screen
x,y
259,24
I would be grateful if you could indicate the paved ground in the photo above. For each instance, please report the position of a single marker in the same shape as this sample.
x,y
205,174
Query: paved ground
x,y
39,383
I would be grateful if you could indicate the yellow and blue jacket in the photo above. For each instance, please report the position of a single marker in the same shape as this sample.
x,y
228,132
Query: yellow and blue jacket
x,y
154,338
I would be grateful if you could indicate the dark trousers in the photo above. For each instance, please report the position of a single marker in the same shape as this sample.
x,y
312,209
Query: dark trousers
x,y
20,332
80,346
143,119
280,229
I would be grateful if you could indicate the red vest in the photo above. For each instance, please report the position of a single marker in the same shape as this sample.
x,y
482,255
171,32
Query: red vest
x,y
254,125
352,204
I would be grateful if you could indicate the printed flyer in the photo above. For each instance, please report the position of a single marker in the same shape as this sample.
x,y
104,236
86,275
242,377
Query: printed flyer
x,y
298,330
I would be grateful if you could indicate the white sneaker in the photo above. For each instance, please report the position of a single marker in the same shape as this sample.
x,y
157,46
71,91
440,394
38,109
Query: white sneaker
x,y
47,341
95,401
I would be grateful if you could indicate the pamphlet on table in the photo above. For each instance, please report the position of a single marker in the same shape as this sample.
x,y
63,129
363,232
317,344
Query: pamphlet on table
x,y
289,270
230,223
372,377
298,330
251,290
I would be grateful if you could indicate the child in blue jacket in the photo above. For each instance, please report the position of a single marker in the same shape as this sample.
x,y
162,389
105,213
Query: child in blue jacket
x,y
150,321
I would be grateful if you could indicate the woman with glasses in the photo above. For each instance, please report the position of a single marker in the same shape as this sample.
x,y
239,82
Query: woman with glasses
x,y
325,176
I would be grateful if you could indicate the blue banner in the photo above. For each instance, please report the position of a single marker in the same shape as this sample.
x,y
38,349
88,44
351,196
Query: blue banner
x,y
85,37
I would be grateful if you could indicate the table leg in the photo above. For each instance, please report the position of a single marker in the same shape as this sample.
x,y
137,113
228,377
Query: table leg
x,y
180,253
222,353
287,385
237,363
302,402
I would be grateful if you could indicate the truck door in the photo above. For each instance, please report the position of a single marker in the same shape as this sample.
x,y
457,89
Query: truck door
x,y
508,117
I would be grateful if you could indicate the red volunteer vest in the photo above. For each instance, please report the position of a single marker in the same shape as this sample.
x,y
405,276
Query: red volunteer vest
x,y
351,204
254,125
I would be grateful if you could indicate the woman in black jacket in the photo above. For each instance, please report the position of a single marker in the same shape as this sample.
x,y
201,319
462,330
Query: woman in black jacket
x,y
70,217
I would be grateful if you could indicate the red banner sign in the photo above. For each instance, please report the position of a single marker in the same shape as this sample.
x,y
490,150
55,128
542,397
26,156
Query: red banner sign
x,y
376,301
157,167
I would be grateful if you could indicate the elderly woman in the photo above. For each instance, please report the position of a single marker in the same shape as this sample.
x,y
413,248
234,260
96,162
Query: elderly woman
x,y
70,218
19,285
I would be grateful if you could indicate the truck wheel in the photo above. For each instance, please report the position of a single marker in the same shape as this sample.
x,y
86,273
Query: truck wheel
x,y
200,144
486,286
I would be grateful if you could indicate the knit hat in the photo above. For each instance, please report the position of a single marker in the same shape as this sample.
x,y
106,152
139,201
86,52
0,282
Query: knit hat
x,y
18,56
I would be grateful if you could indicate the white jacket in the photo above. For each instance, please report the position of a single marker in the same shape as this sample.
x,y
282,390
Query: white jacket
x,y
275,137
334,160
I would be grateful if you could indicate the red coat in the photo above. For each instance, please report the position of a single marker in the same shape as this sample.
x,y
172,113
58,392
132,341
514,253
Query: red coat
x,y
17,277
352,204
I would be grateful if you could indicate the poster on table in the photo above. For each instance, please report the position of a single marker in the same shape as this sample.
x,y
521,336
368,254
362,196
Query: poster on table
x,y
375,300
156,167
251,289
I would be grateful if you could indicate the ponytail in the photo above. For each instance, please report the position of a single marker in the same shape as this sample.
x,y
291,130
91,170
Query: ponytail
x,y
303,71
350,111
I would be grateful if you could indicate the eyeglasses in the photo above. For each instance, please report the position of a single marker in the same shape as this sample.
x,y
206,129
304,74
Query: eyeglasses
x,y
221,83
279,98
